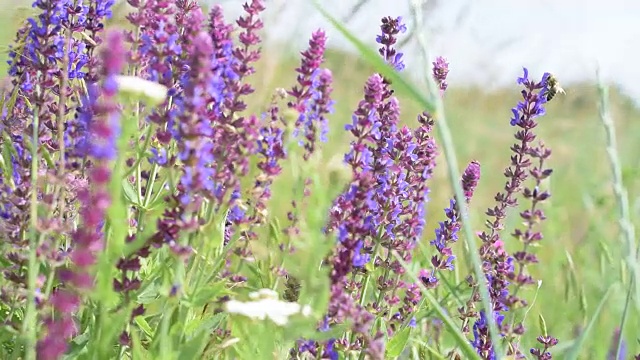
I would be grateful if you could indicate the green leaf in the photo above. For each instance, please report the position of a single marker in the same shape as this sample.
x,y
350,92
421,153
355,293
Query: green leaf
x,y
144,326
256,271
584,307
159,197
398,342
46,155
193,348
105,328
543,325
572,271
138,352
7,168
14,96
578,346
274,230
206,294
78,345
435,354
129,192
150,227
205,324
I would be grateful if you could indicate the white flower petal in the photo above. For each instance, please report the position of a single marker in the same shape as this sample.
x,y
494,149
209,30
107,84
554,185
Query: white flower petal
x,y
141,89
264,294
266,307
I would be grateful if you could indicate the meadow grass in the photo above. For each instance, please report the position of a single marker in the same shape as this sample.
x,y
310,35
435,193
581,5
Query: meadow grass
x,y
583,249
583,252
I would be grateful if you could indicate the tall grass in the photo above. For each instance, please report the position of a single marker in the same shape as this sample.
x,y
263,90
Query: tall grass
x,y
174,278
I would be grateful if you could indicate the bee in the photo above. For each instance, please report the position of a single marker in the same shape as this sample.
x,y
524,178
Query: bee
x,y
553,87
292,289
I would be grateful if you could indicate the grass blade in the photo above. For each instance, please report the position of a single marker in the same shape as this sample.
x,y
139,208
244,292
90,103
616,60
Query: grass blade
x,y
454,178
626,225
574,351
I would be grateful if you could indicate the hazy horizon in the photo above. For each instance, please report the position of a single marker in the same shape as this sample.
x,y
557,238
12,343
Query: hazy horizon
x,y
484,42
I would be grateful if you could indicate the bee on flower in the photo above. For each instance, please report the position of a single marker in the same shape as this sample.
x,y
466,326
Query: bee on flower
x,y
553,87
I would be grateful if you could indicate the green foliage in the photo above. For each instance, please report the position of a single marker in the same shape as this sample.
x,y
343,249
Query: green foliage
x,y
583,263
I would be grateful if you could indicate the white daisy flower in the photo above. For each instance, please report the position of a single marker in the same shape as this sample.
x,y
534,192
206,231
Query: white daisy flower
x,y
266,305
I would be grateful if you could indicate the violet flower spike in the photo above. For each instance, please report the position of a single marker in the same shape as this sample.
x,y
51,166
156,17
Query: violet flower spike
x,y
533,105
440,72
548,342
163,54
470,178
499,266
234,136
390,28
88,239
447,232
312,95
195,148
271,151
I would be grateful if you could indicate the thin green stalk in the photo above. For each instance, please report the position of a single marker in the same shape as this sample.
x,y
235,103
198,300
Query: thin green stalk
x,y
454,176
140,155
626,225
154,170
461,340
366,281
363,294
207,253
60,119
29,322
166,343
59,192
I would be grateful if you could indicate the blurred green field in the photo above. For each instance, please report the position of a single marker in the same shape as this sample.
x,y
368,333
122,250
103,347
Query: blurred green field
x,y
581,216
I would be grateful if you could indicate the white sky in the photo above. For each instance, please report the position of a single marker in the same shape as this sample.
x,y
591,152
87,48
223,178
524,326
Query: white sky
x,y
493,39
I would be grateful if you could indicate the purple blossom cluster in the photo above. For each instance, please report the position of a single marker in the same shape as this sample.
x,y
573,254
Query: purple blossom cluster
x,y
505,274
447,231
88,240
200,157
312,94
51,58
382,210
160,52
391,27
213,142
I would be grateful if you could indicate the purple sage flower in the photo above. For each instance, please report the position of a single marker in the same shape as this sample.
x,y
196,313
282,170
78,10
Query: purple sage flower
x,y
390,28
447,232
312,94
88,240
440,72
500,267
547,342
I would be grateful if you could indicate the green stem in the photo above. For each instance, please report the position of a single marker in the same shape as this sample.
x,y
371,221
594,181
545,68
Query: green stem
x,y
384,277
452,166
29,322
368,276
626,225
207,248
150,183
